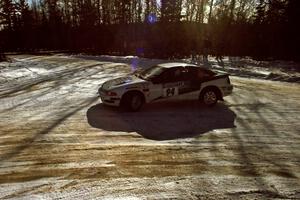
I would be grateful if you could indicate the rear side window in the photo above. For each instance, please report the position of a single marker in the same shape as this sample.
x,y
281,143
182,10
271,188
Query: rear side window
x,y
199,73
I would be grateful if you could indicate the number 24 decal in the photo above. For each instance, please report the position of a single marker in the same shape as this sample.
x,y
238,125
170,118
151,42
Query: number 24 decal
x,y
170,92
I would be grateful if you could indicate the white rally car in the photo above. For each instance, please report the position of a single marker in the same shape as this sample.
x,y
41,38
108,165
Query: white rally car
x,y
163,81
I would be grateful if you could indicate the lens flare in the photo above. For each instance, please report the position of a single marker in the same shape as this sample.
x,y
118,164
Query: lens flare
x,y
134,64
152,18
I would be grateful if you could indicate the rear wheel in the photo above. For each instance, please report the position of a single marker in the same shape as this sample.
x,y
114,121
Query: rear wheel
x,y
209,97
132,101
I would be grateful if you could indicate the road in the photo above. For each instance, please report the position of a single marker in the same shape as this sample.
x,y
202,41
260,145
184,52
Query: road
x,y
58,141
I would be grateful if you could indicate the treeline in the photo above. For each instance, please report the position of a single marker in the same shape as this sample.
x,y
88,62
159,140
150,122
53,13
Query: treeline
x,y
153,28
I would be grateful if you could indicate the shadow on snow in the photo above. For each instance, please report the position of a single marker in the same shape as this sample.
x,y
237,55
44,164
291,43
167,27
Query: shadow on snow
x,y
163,120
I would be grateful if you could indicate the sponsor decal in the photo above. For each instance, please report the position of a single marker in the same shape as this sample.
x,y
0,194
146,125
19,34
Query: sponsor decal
x,y
176,84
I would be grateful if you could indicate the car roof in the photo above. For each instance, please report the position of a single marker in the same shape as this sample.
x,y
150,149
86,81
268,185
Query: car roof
x,y
175,64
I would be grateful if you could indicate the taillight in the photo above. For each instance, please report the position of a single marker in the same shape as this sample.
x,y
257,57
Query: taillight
x,y
228,80
109,93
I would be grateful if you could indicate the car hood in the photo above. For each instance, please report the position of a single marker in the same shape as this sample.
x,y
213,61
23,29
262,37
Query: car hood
x,y
122,81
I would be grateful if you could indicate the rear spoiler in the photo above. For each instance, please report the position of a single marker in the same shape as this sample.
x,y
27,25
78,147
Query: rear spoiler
x,y
221,75
219,72
218,75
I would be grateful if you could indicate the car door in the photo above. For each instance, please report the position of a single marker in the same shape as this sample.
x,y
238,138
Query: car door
x,y
191,80
184,81
167,84
172,81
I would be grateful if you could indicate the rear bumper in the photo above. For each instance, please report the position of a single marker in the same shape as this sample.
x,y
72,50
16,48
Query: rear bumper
x,y
227,90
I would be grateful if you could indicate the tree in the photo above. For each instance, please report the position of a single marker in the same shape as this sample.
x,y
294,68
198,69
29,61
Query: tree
x,y
260,12
210,10
190,7
6,14
200,11
292,14
171,10
87,14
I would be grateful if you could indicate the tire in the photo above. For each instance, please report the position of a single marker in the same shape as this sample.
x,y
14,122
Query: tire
x,y
209,97
132,101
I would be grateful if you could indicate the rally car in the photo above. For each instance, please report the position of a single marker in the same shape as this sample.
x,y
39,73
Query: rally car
x,y
164,81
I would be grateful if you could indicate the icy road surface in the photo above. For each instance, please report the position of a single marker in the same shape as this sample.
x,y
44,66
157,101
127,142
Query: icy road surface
x,y
58,141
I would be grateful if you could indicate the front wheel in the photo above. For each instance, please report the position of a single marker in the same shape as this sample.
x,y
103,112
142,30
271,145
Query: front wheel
x,y
132,101
209,97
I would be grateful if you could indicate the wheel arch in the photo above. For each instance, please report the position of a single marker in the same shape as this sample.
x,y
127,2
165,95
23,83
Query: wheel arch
x,y
129,92
214,88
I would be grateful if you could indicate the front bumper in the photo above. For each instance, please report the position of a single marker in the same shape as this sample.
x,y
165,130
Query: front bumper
x,y
112,101
109,100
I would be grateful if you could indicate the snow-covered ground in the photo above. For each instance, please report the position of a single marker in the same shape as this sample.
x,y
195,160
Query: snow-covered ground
x,y
58,141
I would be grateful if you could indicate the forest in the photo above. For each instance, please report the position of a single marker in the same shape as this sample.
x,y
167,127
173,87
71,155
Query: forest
x,y
262,29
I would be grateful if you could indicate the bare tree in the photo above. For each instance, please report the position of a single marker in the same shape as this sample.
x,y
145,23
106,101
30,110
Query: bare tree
x,y
210,10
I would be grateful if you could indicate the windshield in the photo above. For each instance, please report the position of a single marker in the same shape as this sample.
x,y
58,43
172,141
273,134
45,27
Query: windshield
x,y
151,72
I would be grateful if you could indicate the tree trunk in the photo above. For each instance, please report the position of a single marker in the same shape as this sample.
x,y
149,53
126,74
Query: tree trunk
x,y
210,10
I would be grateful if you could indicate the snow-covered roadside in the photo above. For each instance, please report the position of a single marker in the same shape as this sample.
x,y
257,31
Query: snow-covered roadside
x,y
286,71
26,72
